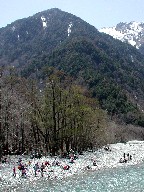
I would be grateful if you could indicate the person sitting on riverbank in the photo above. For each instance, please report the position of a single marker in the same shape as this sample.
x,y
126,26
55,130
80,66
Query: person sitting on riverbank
x,y
107,148
47,163
123,160
71,160
66,167
55,163
87,167
94,163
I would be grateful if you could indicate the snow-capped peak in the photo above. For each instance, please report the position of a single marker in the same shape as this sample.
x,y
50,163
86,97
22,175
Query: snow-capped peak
x,y
132,32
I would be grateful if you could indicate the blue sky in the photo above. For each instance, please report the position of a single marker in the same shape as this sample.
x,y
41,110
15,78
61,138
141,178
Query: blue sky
x,y
99,13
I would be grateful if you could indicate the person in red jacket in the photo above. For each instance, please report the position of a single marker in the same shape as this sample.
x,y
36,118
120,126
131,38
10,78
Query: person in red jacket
x,y
66,167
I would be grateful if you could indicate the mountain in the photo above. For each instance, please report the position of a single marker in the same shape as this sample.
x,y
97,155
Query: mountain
x,y
38,34
132,32
111,70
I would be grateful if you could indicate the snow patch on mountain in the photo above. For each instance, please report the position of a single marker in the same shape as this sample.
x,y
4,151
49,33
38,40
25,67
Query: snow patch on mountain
x,y
136,26
44,22
18,37
69,29
132,32
13,28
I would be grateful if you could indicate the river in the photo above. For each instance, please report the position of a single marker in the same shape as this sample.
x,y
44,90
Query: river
x,y
121,179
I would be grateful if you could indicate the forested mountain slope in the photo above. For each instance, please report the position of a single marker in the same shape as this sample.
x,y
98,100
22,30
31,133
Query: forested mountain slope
x,y
59,51
112,70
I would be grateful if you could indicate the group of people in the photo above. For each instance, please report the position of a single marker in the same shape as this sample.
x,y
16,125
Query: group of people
x,y
39,168
42,168
126,157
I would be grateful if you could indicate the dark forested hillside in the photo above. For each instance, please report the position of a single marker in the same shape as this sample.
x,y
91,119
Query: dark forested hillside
x,y
114,81
39,34
60,69
54,38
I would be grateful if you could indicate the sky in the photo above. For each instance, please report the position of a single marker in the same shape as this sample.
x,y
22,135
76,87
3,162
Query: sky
x,y
99,13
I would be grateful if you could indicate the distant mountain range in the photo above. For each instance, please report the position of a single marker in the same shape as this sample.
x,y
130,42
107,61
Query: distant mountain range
x,y
111,70
132,32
